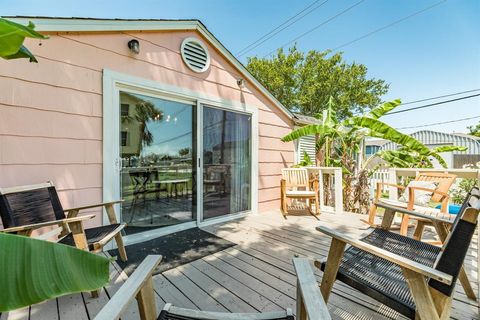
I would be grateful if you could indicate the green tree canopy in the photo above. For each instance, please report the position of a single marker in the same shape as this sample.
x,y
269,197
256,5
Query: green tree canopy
x,y
474,130
304,82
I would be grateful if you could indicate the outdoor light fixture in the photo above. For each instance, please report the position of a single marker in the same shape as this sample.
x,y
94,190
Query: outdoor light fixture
x,y
134,46
241,83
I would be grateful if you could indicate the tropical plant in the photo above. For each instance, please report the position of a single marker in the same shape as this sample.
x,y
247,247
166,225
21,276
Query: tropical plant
x,y
32,271
407,158
339,143
305,162
12,36
304,82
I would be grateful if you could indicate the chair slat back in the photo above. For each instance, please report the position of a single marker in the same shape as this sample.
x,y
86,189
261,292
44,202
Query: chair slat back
x,y
26,205
455,248
296,177
444,180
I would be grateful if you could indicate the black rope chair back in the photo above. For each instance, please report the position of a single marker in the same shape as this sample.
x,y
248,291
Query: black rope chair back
x,y
30,205
455,248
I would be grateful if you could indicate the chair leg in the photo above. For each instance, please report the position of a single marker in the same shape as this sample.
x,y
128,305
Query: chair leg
x,y
404,224
334,258
467,287
418,233
371,214
121,247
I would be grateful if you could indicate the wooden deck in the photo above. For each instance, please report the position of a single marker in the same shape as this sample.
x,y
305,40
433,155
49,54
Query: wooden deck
x,y
256,275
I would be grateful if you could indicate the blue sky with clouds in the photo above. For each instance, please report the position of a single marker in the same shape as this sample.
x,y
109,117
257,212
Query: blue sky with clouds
x,y
433,53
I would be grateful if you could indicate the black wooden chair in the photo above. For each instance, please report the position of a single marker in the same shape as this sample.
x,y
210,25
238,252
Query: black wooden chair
x,y
24,209
412,277
140,286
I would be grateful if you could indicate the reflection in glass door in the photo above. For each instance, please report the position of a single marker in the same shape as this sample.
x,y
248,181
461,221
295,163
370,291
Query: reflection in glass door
x,y
158,169
226,162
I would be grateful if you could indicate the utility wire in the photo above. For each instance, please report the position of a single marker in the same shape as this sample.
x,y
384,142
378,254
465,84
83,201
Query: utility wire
x,y
433,104
438,123
438,97
389,25
306,11
317,26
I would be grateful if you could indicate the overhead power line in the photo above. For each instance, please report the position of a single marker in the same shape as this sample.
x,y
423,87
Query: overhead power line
x,y
388,25
438,97
317,26
438,123
302,14
434,104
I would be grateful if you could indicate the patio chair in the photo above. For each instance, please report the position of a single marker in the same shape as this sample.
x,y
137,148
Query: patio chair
x,y
140,286
24,209
295,184
439,195
412,277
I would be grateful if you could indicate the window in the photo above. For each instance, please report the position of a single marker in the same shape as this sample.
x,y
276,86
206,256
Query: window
x,y
124,109
124,138
370,150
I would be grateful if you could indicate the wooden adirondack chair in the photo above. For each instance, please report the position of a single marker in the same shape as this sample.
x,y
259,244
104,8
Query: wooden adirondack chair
x,y
140,286
295,184
412,277
440,195
24,209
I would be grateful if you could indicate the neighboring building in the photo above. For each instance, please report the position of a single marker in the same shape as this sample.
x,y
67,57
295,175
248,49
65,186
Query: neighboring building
x,y
104,122
305,143
456,159
373,145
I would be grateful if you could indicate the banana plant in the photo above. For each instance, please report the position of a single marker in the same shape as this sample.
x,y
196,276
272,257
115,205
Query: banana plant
x,y
32,271
405,158
12,35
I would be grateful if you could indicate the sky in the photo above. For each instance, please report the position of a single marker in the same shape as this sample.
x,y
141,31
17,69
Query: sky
x,y
434,53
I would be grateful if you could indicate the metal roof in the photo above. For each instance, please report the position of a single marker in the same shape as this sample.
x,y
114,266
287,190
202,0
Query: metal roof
x,y
432,138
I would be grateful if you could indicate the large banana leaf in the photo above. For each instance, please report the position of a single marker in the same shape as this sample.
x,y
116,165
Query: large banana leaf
x,y
449,149
12,36
382,130
379,111
308,130
33,270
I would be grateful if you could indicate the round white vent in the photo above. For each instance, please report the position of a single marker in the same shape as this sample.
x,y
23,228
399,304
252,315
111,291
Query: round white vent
x,y
195,55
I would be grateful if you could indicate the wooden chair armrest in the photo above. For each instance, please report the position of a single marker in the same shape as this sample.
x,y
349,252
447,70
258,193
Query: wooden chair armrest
x,y
419,214
399,260
49,223
308,293
103,204
444,194
130,289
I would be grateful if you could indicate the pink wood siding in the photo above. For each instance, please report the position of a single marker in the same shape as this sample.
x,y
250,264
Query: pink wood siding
x,y
51,112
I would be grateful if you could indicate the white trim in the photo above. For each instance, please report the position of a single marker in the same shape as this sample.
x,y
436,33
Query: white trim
x,y
224,218
113,83
98,25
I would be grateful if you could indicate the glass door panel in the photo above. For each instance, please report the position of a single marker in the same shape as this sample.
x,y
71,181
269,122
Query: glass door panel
x,y
226,162
158,155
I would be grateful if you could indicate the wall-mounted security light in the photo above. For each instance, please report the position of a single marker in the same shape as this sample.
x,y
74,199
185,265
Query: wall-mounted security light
x,y
241,83
134,46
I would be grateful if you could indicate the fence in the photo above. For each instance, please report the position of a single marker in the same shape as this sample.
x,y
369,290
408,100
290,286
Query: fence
x,y
393,175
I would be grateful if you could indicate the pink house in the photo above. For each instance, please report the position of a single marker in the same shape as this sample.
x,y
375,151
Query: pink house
x,y
156,112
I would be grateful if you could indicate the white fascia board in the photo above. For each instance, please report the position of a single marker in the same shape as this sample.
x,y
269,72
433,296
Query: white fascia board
x,y
104,25
99,25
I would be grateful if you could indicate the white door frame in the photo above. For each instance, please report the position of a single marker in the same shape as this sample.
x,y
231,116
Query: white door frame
x,y
113,83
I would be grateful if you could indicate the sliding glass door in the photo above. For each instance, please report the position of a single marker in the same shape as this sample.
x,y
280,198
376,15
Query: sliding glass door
x,y
158,162
226,162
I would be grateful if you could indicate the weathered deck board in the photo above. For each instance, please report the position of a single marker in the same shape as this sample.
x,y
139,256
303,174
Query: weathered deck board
x,y
256,275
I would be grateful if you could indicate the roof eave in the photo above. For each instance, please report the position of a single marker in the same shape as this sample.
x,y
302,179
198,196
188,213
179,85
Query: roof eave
x,y
46,24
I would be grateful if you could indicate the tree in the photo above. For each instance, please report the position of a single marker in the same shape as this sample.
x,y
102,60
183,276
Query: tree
x,y
305,82
474,130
